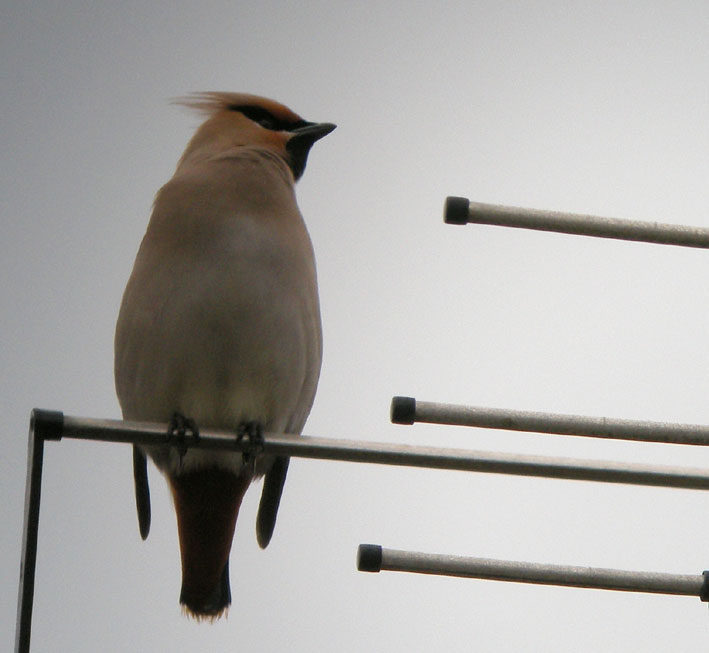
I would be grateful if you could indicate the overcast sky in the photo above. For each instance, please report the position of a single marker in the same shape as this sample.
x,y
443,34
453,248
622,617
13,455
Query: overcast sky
x,y
597,108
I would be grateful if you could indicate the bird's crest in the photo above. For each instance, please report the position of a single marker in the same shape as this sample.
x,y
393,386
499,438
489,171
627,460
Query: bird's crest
x,y
211,102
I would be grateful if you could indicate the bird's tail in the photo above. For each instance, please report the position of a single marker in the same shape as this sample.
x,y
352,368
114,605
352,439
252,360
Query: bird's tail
x,y
207,503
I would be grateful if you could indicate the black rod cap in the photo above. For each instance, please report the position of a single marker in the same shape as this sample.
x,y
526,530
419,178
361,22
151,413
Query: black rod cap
x,y
457,210
47,424
403,410
369,557
704,591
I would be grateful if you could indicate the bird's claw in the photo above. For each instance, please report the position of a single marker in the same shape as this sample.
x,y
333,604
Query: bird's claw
x,y
254,432
179,428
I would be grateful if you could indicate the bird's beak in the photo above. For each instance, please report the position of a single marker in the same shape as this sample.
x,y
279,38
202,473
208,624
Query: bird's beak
x,y
302,140
312,132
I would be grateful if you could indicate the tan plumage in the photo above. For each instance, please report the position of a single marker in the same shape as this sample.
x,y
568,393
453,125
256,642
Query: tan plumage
x,y
220,323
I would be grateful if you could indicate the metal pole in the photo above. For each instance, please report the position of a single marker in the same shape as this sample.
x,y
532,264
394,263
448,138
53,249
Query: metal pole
x,y
397,454
460,210
407,410
374,558
50,430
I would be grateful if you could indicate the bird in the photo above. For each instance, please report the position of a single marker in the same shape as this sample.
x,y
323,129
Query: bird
x,y
219,327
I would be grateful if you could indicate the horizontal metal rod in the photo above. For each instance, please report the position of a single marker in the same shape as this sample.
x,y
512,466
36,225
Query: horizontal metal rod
x,y
460,210
407,410
381,453
374,558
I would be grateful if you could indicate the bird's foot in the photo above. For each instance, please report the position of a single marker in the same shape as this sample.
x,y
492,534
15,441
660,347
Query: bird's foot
x,y
254,432
179,429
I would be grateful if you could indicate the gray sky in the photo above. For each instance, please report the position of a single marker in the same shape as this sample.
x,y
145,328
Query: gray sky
x,y
591,107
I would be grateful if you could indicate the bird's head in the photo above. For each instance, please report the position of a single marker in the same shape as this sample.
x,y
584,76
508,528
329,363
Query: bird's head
x,y
240,119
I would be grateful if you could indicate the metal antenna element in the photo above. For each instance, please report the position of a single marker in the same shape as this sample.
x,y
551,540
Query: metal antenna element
x,y
285,444
374,558
460,210
407,410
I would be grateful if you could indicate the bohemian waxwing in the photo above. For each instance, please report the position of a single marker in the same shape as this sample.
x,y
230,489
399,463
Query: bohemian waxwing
x,y
219,326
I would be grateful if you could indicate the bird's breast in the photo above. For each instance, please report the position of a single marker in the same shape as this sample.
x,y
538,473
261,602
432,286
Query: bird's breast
x,y
220,319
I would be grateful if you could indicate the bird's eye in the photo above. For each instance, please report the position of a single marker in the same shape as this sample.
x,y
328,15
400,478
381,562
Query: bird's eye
x,y
259,115
267,122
